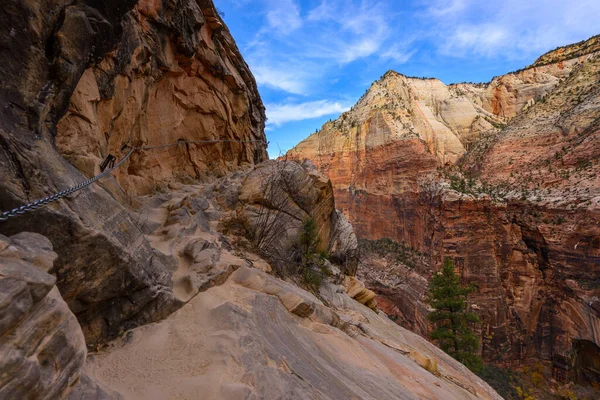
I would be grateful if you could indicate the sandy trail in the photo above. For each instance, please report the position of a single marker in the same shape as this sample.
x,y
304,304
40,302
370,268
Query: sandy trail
x,y
233,342
244,334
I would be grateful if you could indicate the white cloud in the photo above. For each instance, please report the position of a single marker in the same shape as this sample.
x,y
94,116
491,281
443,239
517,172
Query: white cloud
x,y
480,39
511,28
447,7
281,77
283,16
360,49
399,54
322,12
278,114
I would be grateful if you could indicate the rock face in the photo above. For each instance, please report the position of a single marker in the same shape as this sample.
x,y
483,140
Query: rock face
x,y
546,166
518,213
278,198
80,79
155,89
42,348
259,337
401,109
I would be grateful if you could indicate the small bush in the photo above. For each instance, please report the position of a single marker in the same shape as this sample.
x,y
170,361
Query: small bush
x,y
392,251
309,240
313,268
236,225
537,379
312,278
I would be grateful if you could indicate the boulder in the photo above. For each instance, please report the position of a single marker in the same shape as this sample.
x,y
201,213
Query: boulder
x,y
42,348
277,197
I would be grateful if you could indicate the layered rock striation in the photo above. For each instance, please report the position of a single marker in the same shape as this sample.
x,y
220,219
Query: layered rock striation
x,y
502,177
43,348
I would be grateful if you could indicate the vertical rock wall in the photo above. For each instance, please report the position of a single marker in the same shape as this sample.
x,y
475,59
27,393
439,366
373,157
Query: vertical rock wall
x,y
175,75
77,80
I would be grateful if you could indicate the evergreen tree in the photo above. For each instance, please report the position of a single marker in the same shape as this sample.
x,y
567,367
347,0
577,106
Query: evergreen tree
x,y
451,319
309,238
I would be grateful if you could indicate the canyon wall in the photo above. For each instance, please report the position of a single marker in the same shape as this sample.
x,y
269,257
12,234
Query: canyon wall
x,y
79,80
166,273
175,75
502,177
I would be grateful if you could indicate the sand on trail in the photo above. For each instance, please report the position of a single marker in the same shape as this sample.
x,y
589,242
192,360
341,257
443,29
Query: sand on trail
x,y
174,359
234,342
245,334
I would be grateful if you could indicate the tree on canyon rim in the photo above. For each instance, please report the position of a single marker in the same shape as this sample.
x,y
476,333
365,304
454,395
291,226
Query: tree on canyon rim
x,y
451,318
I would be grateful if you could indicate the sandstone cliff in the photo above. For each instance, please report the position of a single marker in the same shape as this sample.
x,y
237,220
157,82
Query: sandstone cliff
x,y
155,89
180,274
79,80
519,212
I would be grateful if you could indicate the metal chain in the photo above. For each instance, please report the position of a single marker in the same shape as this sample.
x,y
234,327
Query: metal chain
x,y
15,212
197,142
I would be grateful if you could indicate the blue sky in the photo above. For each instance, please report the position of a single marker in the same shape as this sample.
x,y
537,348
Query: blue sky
x,y
313,59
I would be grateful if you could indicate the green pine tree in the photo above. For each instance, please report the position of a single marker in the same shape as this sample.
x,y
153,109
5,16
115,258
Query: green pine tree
x,y
451,319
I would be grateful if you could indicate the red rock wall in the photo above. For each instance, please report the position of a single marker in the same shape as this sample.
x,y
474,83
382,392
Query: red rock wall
x,y
157,88
81,77
534,252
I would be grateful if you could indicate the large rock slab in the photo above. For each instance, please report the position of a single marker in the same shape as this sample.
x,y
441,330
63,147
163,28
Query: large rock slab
x,y
259,337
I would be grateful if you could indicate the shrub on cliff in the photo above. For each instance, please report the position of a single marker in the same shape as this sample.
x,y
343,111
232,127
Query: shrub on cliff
x,y
393,252
451,318
313,266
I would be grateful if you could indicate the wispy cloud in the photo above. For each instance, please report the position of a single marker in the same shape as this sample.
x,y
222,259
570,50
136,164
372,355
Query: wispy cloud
x,y
283,16
296,49
355,31
284,78
512,28
447,7
279,114
480,39
399,53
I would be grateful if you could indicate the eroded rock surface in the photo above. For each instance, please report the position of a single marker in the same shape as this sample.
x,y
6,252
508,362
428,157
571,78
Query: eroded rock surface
x,y
79,80
42,348
259,337
176,74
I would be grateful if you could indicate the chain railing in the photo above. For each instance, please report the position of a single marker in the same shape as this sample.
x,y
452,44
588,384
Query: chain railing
x,y
15,212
